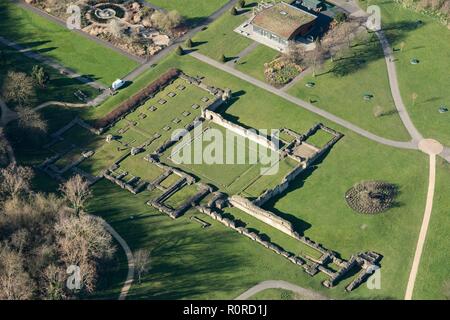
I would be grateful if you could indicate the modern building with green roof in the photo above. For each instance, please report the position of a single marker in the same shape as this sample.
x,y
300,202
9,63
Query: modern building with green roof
x,y
282,22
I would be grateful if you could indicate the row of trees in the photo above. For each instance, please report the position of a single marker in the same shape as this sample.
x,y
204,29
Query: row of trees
x,y
41,235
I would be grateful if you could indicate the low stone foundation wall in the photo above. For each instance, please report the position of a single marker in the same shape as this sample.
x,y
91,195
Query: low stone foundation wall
x,y
267,217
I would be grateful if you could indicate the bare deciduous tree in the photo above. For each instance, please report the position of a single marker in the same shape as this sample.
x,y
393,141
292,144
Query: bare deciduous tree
x,y
83,241
141,259
15,179
76,191
31,119
15,283
18,88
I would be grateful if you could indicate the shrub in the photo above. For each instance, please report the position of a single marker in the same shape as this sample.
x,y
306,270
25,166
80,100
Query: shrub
x,y
188,43
137,99
340,17
179,51
233,11
241,3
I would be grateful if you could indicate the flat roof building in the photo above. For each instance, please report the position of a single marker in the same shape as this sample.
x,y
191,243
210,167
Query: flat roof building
x,y
282,22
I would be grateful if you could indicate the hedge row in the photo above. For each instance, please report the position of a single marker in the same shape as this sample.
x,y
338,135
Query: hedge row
x,y
137,99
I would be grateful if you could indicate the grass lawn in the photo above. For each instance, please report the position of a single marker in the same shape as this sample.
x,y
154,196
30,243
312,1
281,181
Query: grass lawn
x,y
191,9
430,79
320,138
59,87
187,265
253,63
343,95
230,177
70,49
220,39
138,167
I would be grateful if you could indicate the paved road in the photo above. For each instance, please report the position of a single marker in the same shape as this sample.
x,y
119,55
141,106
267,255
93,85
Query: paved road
x,y
243,53
52,63
130,276
395,90
304,104
297,79
279,284
163,53
423,229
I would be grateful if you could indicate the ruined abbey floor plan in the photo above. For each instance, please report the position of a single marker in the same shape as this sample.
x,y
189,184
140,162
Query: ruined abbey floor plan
x,y
224,150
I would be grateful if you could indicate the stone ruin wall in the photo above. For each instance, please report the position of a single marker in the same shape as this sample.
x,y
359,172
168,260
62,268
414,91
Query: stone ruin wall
x,y
265,216
280,188
249,134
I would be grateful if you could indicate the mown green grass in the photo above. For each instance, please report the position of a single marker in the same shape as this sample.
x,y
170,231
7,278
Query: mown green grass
x,y
253,63
430,79
191,9
58,88
187,265
70,49
343,95
220,39
318,196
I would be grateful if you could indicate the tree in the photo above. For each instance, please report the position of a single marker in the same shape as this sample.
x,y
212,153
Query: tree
x,y
223,59
241,3
316,57
188,43
18,88
84,242
76,191
15,283
166,21
31,119
14,180
39,76
233,11
141,259
179,51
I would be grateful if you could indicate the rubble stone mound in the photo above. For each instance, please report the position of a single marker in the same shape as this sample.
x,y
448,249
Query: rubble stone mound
x,y
371,197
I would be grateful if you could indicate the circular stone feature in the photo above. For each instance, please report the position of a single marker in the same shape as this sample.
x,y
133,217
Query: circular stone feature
x,y
430,146
371,197
443,109
414,61
104,12
310,85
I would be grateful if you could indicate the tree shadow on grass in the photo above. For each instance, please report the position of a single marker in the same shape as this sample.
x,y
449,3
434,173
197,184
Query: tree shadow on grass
x,y
361,54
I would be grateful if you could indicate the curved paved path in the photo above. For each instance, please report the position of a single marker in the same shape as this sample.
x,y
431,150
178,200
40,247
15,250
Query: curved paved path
x,y
304,104
130,276
424,227
280,284
395,89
